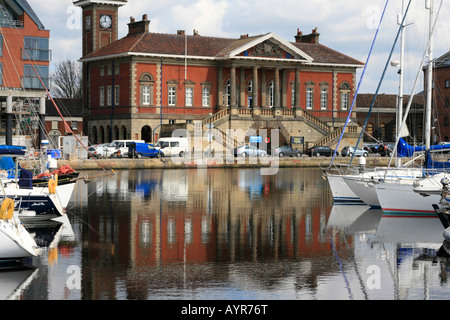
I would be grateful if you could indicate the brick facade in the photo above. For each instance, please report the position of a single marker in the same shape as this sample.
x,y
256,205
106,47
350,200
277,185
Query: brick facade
x,y
144,81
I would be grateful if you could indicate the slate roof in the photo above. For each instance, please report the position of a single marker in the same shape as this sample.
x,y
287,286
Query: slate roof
x,y
208,47
385,101
68,107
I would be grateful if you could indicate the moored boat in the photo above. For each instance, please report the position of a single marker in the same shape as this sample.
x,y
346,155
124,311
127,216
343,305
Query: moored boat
x,y
15,241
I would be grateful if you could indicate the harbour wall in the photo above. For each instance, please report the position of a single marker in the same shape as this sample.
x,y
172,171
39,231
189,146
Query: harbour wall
x,y
178,163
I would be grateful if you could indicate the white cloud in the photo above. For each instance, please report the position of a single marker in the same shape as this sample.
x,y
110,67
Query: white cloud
x,y
347,26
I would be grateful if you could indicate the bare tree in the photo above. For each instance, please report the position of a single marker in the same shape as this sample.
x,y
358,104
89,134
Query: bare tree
x,y
66,80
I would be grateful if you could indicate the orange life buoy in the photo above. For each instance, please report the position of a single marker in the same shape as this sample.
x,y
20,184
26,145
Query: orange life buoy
x,y
52,186
7,209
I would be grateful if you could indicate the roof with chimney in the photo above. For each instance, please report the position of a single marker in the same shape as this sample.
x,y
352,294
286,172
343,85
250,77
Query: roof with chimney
x,y
140,41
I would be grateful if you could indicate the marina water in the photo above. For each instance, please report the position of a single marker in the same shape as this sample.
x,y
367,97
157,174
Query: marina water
x,y
222,234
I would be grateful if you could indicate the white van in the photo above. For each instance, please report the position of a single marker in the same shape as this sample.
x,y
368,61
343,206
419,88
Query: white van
x,y
116,145
173,146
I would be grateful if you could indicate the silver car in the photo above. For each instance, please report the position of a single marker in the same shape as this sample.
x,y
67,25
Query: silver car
x,y
249,151
350,151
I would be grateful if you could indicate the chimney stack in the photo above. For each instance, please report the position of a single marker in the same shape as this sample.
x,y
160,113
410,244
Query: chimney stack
x,y
309,38
139,26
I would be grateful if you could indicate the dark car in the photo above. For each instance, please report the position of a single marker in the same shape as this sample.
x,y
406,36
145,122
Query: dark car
x,y
385,149
318,151
286,151
139,150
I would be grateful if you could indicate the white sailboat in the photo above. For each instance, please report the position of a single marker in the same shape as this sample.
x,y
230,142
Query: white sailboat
x,y
357,185
15,241
400,199
30,201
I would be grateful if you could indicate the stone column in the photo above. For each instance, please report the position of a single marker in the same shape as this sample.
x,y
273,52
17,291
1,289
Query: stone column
x,y
233,87
277,102
284,88
263,89
255,88
297,89
242,101
220,87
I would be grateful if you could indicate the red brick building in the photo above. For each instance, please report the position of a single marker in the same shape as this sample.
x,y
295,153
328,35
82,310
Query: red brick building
x,y
441,99
24,51
136,86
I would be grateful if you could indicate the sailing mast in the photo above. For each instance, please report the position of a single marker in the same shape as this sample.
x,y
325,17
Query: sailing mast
x,y
429,6
401,85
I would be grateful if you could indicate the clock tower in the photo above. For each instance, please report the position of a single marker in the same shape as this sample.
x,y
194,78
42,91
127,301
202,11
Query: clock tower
x,y
99,23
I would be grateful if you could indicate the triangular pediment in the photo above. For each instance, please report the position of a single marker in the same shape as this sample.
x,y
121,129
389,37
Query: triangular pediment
x,y
267,46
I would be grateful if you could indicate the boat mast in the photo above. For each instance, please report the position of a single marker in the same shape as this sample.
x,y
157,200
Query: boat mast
x,y
429,82
401,85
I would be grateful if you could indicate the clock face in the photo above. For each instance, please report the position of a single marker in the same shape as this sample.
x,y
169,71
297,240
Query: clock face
x,y
105,21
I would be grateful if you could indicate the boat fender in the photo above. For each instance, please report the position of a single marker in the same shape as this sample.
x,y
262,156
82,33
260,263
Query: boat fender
x,y
52,186
7,209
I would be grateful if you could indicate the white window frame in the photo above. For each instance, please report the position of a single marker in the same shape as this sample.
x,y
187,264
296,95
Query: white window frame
x,y
108,96
117,95
206,97
344,100
146,95
324,98
271,94
172,96
189,96
309,98
102,97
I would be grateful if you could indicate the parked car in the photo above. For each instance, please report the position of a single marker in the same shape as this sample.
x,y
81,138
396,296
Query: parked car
x,y
96,150
318,151
350,151
286,151
173,146
385,149
118,148
249,151
371,148
139,150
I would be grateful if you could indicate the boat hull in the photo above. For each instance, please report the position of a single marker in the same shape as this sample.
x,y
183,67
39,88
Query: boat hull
x,y
400,200
340,190
15,242
365,190
38,200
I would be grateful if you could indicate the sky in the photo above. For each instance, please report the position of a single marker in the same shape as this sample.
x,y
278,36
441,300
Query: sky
x,y
347,26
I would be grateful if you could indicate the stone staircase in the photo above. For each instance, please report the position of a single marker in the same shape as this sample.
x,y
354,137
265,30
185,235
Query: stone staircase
x,y
330,133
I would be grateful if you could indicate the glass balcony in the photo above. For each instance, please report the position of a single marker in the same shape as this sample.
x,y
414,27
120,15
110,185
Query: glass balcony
x,y
36,54
7,23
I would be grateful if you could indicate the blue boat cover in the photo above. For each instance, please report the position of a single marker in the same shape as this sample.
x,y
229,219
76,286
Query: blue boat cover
x,y
405,150
6,161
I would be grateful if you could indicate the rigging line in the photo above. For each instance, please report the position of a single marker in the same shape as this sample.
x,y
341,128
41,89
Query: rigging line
x,y
360,81
415,84
19,39
341,268
67,127
402,25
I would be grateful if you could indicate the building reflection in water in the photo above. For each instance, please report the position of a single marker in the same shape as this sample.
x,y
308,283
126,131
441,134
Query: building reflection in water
x,y
149,232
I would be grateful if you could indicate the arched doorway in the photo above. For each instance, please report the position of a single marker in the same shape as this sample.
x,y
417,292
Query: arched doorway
x,y
146,133
123,132
94,137
116,133
102,134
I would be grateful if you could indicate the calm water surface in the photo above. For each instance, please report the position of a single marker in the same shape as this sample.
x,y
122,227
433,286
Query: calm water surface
x,y
227,234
